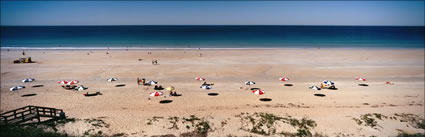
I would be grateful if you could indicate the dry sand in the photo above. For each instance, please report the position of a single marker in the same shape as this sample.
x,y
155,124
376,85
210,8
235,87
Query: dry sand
x,y
127,109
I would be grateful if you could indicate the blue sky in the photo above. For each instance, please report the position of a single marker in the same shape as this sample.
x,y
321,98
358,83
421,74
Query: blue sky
x,y
387,13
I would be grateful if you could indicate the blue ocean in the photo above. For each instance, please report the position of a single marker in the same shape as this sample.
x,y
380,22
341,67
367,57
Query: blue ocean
x,y
212,36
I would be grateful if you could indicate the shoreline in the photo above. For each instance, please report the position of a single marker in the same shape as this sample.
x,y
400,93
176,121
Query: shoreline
x,y
165,48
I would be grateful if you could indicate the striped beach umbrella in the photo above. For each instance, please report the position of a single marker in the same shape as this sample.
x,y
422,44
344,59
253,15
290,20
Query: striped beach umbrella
x,y
200,78
112,79
360,79
155,94
258,92
283,79
16,88
63,82
28,80
72,82
206,87
249,83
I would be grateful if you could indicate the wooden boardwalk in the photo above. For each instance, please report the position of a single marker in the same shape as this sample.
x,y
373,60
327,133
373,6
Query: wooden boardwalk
x,y
27,113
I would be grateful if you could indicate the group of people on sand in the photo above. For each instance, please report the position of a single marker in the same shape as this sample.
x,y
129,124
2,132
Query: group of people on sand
x,y
143,82
154,62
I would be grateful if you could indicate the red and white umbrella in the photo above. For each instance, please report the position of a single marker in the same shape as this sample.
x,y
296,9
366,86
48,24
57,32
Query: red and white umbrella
x,y
258,92
283,79
63,82
72,82
155,94
360,79
200,78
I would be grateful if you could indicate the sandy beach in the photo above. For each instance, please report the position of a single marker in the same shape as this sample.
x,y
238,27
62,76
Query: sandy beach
x,y
128,110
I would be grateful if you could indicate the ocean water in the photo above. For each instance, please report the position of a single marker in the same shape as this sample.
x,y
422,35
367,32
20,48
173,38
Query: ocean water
x,y
212,36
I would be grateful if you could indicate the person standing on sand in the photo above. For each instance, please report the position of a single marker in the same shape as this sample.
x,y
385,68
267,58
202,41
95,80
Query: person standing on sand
x,y
23,52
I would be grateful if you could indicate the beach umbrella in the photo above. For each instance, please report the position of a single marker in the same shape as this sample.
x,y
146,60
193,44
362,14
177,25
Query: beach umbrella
x,y
258,92
72,82
200,78
360,79
16,88
249,83
170,88
206,87
314,87
28,80
151,82
63,82
155,94
112,79
328,83
81,88
283,79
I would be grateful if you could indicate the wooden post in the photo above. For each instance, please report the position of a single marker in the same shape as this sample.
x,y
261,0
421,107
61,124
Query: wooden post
x,y
23,117
54,112
38,112
5,120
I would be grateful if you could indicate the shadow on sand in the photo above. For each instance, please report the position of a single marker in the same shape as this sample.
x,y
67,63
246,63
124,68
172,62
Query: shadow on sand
x,y
288,85
320,95
36,86
28,95
364,85
165,101
265,99
212,94
120,85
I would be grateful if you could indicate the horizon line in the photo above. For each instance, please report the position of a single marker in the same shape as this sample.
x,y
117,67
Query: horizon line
x,y
215,25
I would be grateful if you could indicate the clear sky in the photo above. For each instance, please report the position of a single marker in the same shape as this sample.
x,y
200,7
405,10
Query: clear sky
x,y
388,13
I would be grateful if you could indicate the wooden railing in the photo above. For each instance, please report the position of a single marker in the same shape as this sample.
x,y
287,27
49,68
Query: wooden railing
x,y
26,113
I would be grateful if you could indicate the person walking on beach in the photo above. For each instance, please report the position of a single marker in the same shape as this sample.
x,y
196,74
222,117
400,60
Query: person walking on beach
x,y
23,52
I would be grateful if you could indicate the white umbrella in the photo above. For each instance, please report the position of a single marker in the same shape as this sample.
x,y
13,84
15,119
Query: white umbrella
x,y
258,92
155,94
151,82
249,83
28,80
206,87
81,88
16,88
112,79
314,87
328,83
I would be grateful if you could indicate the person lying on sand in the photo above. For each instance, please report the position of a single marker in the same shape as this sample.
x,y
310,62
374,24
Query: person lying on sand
x,y
205,83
